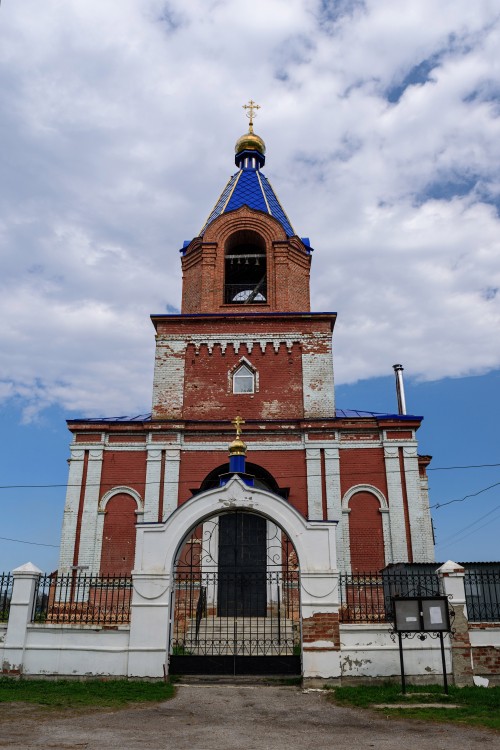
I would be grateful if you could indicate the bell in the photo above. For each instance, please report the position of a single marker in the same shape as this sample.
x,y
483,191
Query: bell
x,y
247,261
257,262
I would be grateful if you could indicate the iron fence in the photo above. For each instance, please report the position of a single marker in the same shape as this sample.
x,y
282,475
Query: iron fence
x,y
482,595
5,595
367,597
83,599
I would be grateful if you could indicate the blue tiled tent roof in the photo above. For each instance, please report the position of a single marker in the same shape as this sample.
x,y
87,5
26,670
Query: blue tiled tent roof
x,y
249,187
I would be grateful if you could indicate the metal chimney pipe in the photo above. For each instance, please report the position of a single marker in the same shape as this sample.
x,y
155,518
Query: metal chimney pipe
x,y
400,388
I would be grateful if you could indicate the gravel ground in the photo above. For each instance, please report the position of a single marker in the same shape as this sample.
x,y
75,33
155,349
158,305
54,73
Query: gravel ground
x,y
227,717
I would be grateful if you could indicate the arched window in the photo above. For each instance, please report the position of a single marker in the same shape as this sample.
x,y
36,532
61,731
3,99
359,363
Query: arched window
x,y
118,538
366,535
245,279
243,380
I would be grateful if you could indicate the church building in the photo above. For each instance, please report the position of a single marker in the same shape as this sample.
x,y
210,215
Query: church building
x,y
245,351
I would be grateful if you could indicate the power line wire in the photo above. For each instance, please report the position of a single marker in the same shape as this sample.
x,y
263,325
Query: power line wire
x,y
276,476
23,541
469,526
465,497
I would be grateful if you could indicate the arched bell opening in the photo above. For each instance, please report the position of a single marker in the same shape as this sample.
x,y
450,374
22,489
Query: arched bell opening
x,y
245,269
236,599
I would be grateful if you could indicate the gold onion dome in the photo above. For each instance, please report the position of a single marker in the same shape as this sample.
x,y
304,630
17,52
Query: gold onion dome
x,y
237,447
250,142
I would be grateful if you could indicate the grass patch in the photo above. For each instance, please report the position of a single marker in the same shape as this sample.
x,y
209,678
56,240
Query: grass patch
x,y
88,693
476,706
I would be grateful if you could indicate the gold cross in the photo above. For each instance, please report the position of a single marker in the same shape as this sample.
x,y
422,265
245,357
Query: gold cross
x,y
238,421
251,107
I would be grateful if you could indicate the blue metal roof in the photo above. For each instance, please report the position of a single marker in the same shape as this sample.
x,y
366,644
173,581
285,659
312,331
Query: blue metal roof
x,y
249,187
339,414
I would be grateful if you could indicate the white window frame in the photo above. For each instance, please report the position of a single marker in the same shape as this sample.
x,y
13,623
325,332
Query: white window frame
x,y
250,373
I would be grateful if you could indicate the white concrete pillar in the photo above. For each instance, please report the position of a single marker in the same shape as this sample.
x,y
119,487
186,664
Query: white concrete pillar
x,y
149,625
452,582
21,610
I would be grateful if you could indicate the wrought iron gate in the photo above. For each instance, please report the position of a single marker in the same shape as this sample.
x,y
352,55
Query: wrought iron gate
x,y
236,606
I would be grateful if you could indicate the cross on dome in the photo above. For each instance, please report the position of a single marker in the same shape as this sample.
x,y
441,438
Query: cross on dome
x,y
238,421
250,113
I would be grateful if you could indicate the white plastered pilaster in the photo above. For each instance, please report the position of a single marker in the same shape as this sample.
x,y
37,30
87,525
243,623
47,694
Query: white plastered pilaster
x,y
396,508
420,520
153,478
70,518
314,493
171,488
88,536
333,497
168,380
317,376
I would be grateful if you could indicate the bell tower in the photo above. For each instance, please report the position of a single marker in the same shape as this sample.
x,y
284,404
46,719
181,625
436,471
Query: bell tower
x,y
247,255
246,341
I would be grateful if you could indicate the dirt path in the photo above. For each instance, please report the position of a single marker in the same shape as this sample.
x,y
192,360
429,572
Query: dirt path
x,y
224,717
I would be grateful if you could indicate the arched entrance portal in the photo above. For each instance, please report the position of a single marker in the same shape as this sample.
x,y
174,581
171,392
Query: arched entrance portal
x,y
235,599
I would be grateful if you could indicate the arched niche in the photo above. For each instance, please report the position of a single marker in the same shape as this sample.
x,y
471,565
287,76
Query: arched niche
x,y
245,268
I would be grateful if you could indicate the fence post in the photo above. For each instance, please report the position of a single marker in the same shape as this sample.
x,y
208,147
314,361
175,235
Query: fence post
x,y
452,581
21,607
149,622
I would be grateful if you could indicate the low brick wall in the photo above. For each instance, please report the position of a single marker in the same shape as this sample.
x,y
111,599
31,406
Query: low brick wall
x,y
485,648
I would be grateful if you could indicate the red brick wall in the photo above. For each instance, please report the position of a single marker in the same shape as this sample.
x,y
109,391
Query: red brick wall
x,y
208,390
486,661
365,533
124,468
323,626
118,539
362,466
288,266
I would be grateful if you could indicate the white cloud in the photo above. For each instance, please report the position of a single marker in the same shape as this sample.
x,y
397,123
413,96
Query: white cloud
x,y
117,125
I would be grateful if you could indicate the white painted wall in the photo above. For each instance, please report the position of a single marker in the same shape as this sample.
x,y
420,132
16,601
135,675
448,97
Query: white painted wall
x,y
368,651
86,650
486,637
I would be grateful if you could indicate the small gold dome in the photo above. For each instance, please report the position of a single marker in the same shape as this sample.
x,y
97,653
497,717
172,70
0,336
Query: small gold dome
x,y
237,447
250,142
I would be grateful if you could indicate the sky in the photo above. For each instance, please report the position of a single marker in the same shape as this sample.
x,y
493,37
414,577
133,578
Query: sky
x,y
382,125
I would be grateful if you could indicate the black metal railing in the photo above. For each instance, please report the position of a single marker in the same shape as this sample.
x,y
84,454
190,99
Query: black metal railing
x,y
367,597
482,595
245,613
83,599
5,595
245,294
